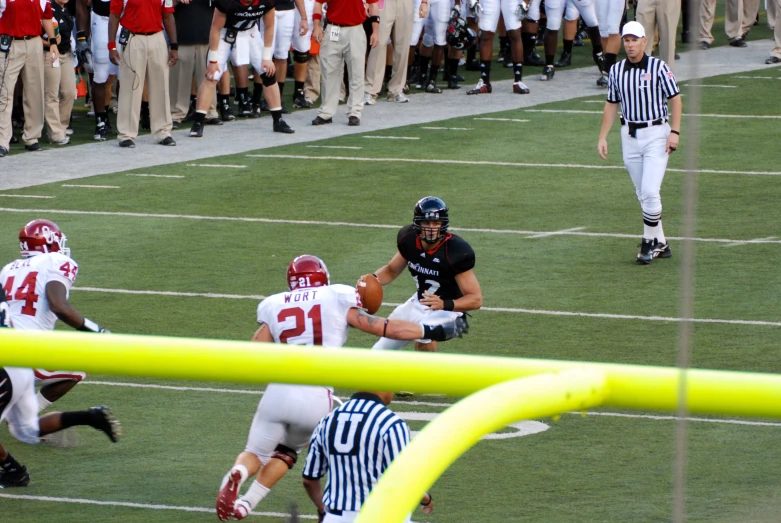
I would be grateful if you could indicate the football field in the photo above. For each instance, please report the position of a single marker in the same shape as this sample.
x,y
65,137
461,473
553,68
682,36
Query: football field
x,y
189,249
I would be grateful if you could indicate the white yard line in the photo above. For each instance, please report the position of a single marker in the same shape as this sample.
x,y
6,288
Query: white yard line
x,y
554,233
391,138
156,175
593,101
502,120
573,111
25,196
362,225
704,85
92,186
757,240
334,147
760,77
673,418
489,309
501,164
448,128
216,165
128,504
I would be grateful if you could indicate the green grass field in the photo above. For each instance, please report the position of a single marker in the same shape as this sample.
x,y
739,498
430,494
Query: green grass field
x,y
179,443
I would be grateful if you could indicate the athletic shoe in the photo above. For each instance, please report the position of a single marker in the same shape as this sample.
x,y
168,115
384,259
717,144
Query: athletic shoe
x,y
103,420
602,81
353,121
62,141
168,141
226,113
242,509
398,98
226,499
368,99
319,120
452,82
256,112
482,88
69,131
91,110
3,152
264,105
285,110
533,59
300,102
405,89
646,253
662,250
280,126
18,478
547,73
520,88
34,147
196,131
245,108
565,60
432,88
101,132
213,121
127,144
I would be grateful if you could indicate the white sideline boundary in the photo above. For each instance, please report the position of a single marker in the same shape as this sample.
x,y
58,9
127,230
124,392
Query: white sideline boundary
x,y
79,186
577,111
26,196
147,506
490,309
374,225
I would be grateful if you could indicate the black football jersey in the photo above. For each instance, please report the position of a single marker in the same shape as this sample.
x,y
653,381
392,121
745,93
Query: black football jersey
x,y
242,17
435,271
100,7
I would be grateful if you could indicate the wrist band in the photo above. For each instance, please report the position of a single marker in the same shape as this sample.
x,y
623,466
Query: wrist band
x,y
212,56
430,499
317,16
174,46
81,35
447,305
89,326
52,40
676,132
268,53
112,46
385,328
374,19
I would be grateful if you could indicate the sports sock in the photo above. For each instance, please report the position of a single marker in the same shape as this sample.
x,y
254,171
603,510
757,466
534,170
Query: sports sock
x,y
549,59
299,86
452,67
596,39
42,402
660,233
255,494
518,72
242,93
257,93
485,71
471,53
101,116
649,231
503,43
199,117
568,46
276,114
610,60
9,464
388,71
223,99
78,417
527,39
424,60
281,87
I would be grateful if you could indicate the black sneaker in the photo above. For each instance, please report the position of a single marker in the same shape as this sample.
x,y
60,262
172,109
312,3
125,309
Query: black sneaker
x,y
280,126
127,144
300,102
565,60
196,131
255,113
452,82
245,108
578,42
547,73
662,250
17,478
3,151
321,121
353,121
168,141
432,88
226,113
103,420
14,139
646,253
101,132
34,147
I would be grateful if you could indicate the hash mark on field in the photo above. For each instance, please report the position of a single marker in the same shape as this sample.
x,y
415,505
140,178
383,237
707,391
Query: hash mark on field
x,y
156,175
334,147
574,111
216,165
757,240
704,85
491,309
501,164
138,505
24,196
358,225
448,128
502,120
392,138
554,233
93,186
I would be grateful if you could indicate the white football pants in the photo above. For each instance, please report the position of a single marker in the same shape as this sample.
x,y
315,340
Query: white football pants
x,y
645,157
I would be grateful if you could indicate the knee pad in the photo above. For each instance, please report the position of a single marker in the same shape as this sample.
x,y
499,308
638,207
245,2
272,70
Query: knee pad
x,y
286,454
268,81
301,58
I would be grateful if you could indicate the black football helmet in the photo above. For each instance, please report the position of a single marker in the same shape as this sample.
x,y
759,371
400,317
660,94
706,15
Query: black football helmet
x,y
430,208
459,35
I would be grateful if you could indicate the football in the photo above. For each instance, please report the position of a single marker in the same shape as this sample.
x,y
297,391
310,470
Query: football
x,y
370,291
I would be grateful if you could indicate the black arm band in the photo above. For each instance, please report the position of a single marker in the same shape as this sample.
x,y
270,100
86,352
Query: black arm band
x,y
676,132
448,305
385,328
374,19
430,499
174,46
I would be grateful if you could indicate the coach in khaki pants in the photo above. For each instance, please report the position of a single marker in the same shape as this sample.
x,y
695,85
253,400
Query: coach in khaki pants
x,y
59,83
145,57
775,54
739,16
664,15
344,42
395,19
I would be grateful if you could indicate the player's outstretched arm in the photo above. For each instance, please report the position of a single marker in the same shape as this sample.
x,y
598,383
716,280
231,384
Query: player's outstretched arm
x,y
391,271
405,330
58,303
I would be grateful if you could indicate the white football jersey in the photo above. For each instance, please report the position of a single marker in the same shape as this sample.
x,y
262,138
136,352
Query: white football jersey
x,y
24,282
310,316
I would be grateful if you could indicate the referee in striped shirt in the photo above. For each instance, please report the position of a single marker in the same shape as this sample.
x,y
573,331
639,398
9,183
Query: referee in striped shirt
x,y
354,444
644,85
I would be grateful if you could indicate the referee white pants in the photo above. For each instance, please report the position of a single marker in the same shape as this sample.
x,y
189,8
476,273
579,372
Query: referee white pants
x,y
645,157
348,516
414,311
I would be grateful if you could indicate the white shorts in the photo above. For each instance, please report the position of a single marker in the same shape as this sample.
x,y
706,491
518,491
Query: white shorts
x,y
287,415
47,377
489,18
436,23
103,68
554,10
609,15
349,516
417,24
238,53
256,48
283,32
534,11
303,43
22,409
414,311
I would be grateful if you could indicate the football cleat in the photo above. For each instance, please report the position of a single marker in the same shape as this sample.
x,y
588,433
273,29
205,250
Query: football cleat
x,y
245,108
17,478
602,80
432,88
452,82
255,113
300,101
196,131
101,132
565,60
520,88
242,509
533,59
547,73
103,420
481,88
662,250
226,499
646,253
226,113
280,126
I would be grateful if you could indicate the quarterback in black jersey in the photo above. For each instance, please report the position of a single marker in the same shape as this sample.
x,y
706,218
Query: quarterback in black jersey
x,y
441,264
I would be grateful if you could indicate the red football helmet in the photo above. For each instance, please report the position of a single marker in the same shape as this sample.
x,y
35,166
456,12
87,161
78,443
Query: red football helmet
x,y
307,271
42,236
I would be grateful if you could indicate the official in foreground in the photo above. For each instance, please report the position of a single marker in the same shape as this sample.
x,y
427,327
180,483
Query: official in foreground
x,y
644,85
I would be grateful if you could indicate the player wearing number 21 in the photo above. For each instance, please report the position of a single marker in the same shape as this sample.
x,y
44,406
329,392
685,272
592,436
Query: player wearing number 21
x,y
312,312
37,287
441,265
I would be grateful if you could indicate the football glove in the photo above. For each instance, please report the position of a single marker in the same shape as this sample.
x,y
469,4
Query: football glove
x,y
84,54
455,328
522,11
476,8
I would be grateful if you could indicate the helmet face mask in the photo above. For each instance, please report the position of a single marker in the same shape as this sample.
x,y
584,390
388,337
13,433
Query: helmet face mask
x,y
307,271
42,236
430,219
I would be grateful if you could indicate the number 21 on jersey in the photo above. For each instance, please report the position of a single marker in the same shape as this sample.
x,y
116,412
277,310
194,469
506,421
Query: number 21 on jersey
x,y
302,326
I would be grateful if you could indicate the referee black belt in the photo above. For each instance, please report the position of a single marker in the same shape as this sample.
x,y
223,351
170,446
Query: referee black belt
x,y
344,25
634,126
335,512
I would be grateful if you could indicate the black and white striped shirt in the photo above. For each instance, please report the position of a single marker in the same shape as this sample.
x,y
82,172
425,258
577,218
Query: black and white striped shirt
x,y
642,89
354,444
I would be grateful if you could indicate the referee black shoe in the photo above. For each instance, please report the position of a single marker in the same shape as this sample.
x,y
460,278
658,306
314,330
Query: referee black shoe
x,y
17,478
646,253
662,250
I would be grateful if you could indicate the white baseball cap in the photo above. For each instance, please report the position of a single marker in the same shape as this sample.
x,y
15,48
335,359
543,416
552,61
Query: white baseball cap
x,y
634,29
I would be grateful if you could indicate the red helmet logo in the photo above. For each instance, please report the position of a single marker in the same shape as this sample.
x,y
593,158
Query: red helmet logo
x,y
42,236
307,271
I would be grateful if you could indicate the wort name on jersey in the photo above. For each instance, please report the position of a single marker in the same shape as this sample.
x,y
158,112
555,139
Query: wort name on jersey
x,y
296,297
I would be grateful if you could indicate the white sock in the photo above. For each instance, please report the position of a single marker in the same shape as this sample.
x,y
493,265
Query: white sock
x,y
649,233
660,233
255,494
242,470
42,402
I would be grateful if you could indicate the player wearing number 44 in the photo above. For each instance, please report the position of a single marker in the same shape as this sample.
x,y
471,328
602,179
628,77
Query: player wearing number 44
x,y
37,286
312,312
